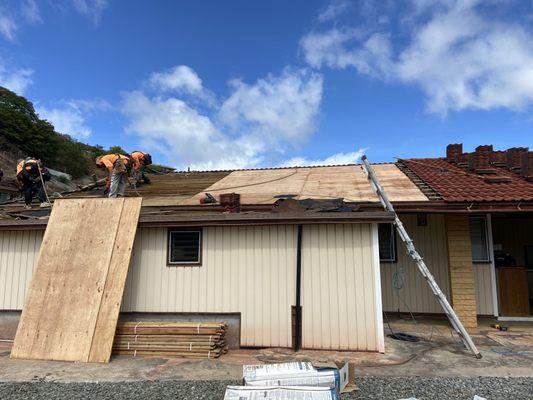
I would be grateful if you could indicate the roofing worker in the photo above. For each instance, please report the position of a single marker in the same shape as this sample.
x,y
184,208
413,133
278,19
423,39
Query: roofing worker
x,y
118,167
140,161
29,174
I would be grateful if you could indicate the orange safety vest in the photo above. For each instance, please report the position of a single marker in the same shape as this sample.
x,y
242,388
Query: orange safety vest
x,y
137,157
109,161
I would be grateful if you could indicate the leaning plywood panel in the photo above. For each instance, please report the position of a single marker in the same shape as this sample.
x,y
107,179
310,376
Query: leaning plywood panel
x,y
64,300
116,279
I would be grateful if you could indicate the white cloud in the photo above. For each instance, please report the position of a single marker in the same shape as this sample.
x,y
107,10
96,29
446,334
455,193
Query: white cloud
x,y
270,114
71,117
332,48
16,80
91,9
8,26
283,107
180,78
461,57
333,10
186,137
335,159
30,11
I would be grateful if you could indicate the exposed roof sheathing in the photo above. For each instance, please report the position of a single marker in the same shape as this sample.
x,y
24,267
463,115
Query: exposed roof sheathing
x,y
171,189
455,184
347,182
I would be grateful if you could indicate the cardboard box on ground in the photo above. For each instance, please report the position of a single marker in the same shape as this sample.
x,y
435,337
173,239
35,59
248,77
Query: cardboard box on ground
x,y
294,380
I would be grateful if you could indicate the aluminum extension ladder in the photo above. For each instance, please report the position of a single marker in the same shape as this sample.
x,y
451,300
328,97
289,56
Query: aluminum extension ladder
x,y
413,253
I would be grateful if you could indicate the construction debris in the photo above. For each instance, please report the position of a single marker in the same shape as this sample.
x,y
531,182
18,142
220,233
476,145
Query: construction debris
x,y
171,339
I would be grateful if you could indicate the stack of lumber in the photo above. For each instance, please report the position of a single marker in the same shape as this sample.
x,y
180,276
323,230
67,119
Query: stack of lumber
x,y
171,339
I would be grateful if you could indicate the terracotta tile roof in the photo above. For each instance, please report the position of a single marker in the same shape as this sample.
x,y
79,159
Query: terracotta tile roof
x,y
456,184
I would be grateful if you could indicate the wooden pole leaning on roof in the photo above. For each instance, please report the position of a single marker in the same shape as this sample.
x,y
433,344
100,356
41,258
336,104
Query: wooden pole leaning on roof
x,y
413,253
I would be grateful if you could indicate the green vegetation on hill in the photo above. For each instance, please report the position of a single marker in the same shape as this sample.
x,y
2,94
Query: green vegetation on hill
x,y
22,131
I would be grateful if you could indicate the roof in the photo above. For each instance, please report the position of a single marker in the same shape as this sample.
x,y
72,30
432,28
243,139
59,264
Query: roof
x,y
455,184
347,182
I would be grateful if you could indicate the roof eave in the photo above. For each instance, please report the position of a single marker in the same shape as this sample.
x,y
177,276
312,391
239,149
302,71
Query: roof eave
x,y
233,219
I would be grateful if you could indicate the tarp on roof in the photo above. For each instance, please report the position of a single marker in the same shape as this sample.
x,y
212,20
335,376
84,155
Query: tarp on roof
x,y
347,182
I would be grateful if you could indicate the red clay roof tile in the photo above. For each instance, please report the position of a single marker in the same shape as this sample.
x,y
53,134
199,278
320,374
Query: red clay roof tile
x,y
456,184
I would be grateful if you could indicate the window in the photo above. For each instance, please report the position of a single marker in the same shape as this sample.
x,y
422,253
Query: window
x,y
478,237
387,243
184,246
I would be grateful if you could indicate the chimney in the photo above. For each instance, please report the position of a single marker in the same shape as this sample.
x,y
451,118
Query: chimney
x,y
231,202
498,158
461,159
479,160
527,164
484,148
452,151
514,157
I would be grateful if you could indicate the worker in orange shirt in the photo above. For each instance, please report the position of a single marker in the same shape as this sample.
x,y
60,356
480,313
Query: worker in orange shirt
x,y
30,178
140,161
118,167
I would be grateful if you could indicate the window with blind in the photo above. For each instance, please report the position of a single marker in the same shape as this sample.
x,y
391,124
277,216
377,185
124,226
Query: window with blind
x,y
387,243
478,238
184,247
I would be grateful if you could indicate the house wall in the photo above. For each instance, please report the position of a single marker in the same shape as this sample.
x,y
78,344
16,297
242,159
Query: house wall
x,y
246,271
250,270
484,293
18,253
414,293
341,300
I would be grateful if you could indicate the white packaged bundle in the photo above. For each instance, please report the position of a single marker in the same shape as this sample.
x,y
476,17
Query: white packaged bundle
x,y
252,372
295,374
279,393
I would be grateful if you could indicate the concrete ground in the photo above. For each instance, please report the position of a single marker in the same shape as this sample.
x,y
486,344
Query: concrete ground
x,y
437,362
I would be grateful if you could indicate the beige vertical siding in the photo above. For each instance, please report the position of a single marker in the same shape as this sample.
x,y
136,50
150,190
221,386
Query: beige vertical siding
x,y
247,270
483,281
414,294
18,253
250,270
340,292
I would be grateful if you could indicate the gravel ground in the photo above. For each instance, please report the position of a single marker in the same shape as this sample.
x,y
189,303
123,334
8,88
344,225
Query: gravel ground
x,y
383,388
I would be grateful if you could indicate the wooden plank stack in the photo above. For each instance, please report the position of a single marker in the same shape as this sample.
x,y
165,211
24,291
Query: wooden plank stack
x,y
171,339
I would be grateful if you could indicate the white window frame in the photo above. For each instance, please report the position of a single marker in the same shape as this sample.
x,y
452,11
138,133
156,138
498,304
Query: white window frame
x,y
487,247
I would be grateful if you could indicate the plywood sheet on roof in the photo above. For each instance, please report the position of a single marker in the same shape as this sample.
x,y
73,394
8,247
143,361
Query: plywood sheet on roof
x,y
72,305
348,182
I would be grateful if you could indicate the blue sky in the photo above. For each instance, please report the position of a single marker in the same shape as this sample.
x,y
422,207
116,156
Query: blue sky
x,y
232,84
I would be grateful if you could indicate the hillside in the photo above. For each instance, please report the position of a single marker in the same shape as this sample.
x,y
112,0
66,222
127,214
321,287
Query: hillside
x,y
23,133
